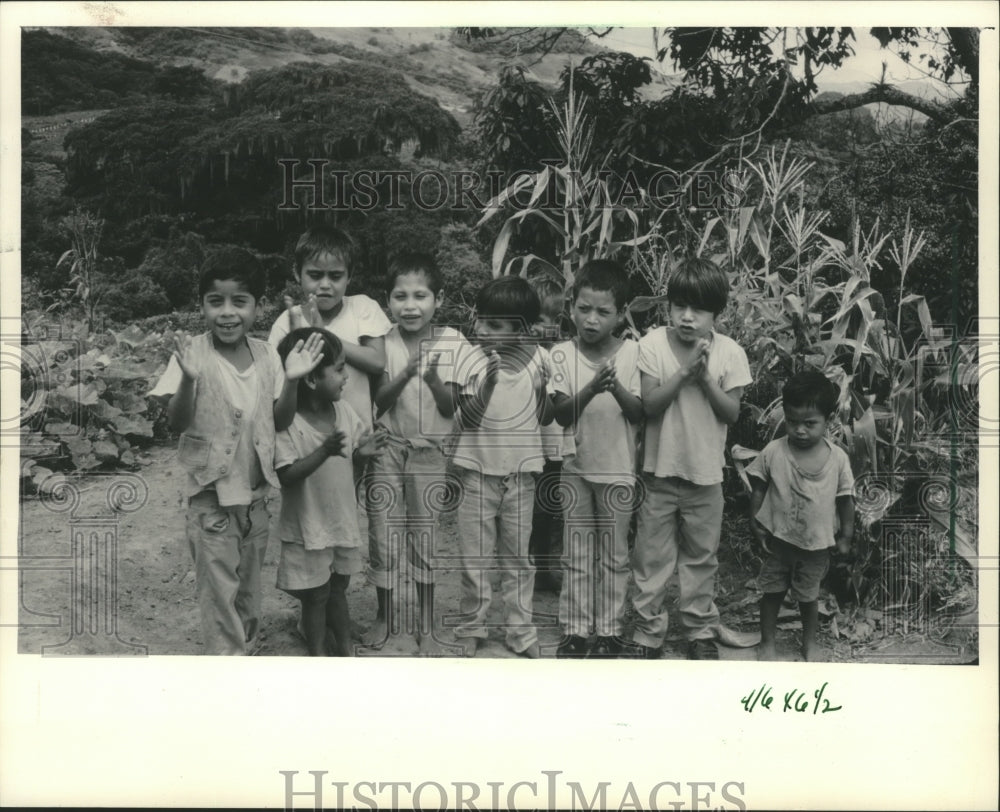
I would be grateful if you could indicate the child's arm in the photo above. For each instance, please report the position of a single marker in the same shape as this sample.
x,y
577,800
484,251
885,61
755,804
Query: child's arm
x,y
370,445
757,530
567,409
180,408
656,396
543,403
726,405
302,360
368,355
473,407
445,394
845,513
389,389
332,446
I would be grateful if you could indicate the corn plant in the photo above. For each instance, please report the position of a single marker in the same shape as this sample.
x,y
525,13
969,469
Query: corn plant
x,y
85,233
573,200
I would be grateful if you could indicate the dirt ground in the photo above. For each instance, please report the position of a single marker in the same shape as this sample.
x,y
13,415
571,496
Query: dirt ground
x,y
129,588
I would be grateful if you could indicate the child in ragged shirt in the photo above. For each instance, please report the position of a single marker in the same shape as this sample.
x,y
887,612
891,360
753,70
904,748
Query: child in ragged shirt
x,y
318,457
228,393
692,381
802,505
503,404
596,388
415,402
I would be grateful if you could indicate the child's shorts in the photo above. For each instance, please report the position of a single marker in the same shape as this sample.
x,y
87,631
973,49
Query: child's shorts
x,y
791,568
299,568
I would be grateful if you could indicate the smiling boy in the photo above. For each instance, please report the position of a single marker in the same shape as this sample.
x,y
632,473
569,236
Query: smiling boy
x,y
227,392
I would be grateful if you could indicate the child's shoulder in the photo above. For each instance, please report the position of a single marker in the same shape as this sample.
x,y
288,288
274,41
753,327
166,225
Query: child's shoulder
x,y
727,344
654,338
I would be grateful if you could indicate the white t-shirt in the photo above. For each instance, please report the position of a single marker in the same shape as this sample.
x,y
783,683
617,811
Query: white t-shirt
x,y
245,481
604,438
360,316
415,416
801,507
321,510
509,439
689,441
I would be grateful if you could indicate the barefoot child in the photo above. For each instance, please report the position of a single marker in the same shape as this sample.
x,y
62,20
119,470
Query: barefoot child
x,y
692,382
596,391
228,393
316,459
503,404
415,402
802,505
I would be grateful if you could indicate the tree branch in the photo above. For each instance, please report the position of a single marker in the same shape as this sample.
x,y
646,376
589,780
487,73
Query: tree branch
x,y
886,94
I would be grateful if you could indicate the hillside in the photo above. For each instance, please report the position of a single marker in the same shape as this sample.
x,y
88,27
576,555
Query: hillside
x,y
434,61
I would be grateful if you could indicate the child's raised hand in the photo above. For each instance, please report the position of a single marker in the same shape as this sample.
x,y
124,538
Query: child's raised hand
x,y
185,355
304,357
370,444
335,443
412,365
304,315
605,379
431,376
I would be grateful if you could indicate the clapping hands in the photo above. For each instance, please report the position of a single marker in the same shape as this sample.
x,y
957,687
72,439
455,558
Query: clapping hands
x,y
303,315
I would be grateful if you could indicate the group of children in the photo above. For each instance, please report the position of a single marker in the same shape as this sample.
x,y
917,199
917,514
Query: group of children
x,y
515,428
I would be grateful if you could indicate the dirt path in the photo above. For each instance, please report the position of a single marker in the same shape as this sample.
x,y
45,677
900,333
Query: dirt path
x,y
66,602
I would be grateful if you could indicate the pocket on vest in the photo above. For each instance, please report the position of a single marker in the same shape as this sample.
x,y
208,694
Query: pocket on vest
x,y
192,452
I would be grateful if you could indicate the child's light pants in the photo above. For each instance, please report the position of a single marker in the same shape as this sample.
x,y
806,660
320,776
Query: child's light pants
x,y
494,525
679,526
406,491
595,555
228,546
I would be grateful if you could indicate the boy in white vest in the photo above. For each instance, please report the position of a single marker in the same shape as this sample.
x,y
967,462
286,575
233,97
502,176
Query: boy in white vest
x,y
227,392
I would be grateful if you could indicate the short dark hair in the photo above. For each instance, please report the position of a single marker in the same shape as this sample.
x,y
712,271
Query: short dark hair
x,y
414,262
810,387
324,239
509,297
603,275
699,283
232,264
332,350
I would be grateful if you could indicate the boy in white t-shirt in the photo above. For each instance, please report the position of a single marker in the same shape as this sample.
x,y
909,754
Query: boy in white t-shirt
x,y
323,260
415,402
692,381
503,405
595,383
317,459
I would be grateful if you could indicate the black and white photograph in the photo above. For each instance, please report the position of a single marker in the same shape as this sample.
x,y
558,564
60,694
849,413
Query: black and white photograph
x,y
381,354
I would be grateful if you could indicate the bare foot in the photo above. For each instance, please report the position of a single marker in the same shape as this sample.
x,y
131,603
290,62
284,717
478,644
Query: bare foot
x,y
813,654
532,652
428,646
766,652
376,635
468,645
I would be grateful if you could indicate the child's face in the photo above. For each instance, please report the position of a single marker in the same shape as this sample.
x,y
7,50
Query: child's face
x,y
805,425
329,381
412,303
229,310
595,315
500,333
325,276
691,323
